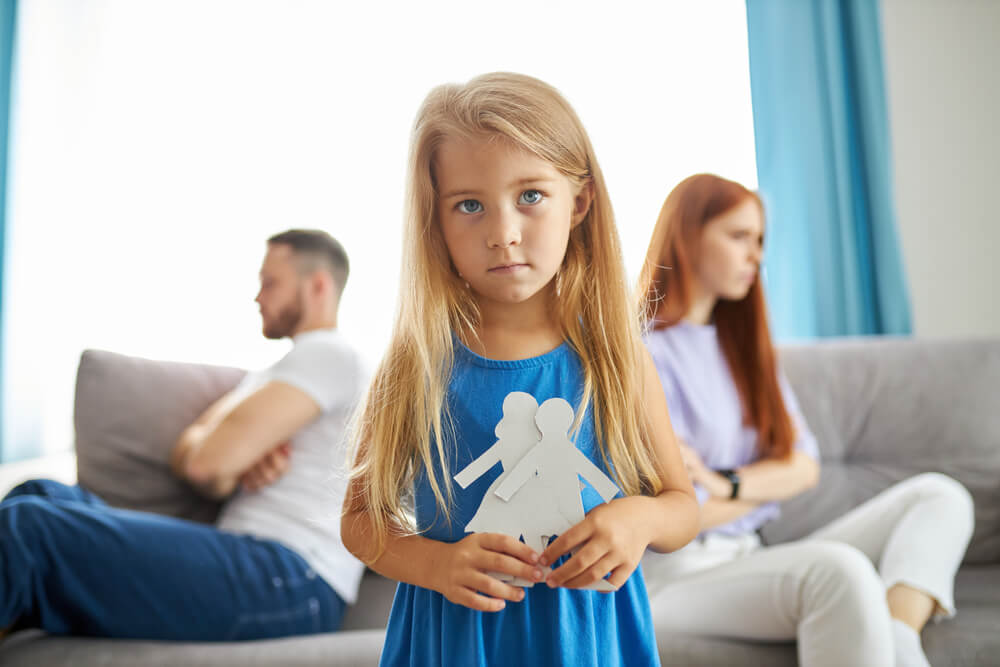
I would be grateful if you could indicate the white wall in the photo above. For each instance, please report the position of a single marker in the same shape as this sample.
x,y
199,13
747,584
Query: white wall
x,y
942,60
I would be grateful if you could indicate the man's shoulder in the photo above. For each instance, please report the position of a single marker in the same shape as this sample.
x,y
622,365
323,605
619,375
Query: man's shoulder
x,y
326,345
324,365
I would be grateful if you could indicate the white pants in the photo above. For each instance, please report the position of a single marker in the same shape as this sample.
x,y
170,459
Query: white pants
x,y
823,590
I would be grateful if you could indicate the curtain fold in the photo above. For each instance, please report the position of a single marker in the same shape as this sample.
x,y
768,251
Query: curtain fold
x,y
8,20
833,263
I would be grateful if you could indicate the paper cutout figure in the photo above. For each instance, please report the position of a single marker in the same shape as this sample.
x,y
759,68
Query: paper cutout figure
x,y
516,433
538,494
554,465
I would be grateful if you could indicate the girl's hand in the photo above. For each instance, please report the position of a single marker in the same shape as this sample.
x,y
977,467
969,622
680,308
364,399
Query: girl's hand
x,y
609,539
464,579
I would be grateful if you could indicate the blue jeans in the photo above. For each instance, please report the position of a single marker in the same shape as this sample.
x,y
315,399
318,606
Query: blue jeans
x,y
71,564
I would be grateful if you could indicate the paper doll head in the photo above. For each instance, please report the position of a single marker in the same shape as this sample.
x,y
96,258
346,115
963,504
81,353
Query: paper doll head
x,y
519,411
554,417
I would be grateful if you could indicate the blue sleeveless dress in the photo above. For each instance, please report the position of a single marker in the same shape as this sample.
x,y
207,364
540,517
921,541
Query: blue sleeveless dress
x,y
550,627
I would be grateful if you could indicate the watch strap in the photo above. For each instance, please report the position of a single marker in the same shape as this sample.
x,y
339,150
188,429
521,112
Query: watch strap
x,y
734,479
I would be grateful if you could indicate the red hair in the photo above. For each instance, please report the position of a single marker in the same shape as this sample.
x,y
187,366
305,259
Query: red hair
x,y
665,288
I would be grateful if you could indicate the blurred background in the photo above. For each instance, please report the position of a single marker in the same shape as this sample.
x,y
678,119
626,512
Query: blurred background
x,y
149,147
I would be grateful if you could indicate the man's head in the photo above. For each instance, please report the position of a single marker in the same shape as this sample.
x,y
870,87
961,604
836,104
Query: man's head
x,y
301,280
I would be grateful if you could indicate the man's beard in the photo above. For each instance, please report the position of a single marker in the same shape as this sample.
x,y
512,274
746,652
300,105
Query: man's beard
x,y
286,322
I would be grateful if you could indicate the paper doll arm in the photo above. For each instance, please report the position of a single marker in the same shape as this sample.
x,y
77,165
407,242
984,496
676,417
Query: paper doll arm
x,y
601,482
519,476
478,468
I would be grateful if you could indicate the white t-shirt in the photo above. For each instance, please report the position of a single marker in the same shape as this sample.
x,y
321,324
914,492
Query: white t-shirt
x,y
302,508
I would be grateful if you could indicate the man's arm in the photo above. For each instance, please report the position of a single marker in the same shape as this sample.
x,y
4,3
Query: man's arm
x,y
224,443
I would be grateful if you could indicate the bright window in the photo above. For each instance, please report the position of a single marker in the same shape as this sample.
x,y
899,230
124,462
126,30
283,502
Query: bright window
x,y
156,144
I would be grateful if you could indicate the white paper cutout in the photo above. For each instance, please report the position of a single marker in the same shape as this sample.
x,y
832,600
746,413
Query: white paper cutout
x,y
516,433
538,494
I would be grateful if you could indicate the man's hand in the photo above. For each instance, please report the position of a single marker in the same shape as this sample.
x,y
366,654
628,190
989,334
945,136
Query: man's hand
x,y
268,469
236,433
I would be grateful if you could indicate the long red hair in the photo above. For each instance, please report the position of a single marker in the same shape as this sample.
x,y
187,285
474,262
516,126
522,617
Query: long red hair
x,y
665,288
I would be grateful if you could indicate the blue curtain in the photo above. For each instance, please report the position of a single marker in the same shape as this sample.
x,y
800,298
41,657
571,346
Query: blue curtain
x,y
832,263
8,18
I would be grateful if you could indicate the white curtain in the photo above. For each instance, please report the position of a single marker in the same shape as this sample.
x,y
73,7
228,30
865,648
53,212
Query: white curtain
x,y
156,144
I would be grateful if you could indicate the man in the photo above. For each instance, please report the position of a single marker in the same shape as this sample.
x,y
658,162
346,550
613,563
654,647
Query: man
x,y
274,564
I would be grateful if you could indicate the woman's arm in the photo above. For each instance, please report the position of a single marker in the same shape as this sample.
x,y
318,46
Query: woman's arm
x,y
718,512
767,480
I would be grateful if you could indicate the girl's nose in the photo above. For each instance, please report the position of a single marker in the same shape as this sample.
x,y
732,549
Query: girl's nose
x,y
504,232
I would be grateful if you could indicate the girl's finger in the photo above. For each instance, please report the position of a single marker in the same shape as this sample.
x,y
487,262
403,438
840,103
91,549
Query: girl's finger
x,y
566,542
493,561
594,573
495,588
508,545
469,598
620,575
577,563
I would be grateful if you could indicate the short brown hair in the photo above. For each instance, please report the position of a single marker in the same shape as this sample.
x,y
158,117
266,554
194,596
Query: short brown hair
x,y
317,250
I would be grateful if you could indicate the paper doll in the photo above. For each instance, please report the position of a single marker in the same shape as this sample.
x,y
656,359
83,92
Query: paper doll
x,y
547,478
516,434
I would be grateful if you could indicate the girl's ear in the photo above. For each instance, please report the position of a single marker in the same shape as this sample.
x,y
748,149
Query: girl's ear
x,y
581,204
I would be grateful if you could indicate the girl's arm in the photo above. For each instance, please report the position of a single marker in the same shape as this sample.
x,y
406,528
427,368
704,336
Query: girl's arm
x,y
613,536
456,570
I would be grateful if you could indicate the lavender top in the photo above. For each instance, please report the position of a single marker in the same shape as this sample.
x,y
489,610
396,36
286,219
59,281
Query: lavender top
x,y
706,411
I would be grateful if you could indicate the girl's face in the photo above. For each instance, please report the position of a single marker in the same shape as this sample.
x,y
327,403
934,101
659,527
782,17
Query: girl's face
x,y
506,216
729,252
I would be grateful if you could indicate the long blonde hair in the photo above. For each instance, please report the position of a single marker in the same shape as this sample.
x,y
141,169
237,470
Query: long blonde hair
x,y
402,425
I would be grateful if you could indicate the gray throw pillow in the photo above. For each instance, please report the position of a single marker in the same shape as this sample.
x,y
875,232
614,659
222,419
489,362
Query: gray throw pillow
x,y
128,414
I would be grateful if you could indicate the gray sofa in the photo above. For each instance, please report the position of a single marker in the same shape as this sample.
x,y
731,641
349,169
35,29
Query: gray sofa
x,y
882,410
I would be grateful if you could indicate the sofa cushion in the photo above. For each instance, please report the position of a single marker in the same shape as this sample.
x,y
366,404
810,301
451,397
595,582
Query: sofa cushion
x,y
128,414
886,409
360,648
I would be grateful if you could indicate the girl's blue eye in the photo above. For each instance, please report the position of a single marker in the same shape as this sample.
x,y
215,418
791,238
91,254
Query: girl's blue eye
x,y
469,206
530,197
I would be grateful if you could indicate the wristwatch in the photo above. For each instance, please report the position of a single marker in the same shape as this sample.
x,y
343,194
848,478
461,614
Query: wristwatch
x,y
734,479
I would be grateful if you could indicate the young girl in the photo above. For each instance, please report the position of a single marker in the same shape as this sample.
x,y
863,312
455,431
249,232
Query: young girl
x,y
747,446
512,282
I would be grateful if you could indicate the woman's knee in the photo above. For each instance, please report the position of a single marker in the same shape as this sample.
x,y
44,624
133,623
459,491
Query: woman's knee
x,y
843,596
948,491
841,571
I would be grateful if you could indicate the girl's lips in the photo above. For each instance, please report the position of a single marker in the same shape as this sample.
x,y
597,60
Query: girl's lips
x,y
507,268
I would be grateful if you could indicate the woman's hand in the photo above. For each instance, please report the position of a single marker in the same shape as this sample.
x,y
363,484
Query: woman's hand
x,y
609,539
464,578
713,482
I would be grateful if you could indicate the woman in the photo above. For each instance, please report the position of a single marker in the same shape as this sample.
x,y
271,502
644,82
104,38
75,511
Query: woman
x,y
857,591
